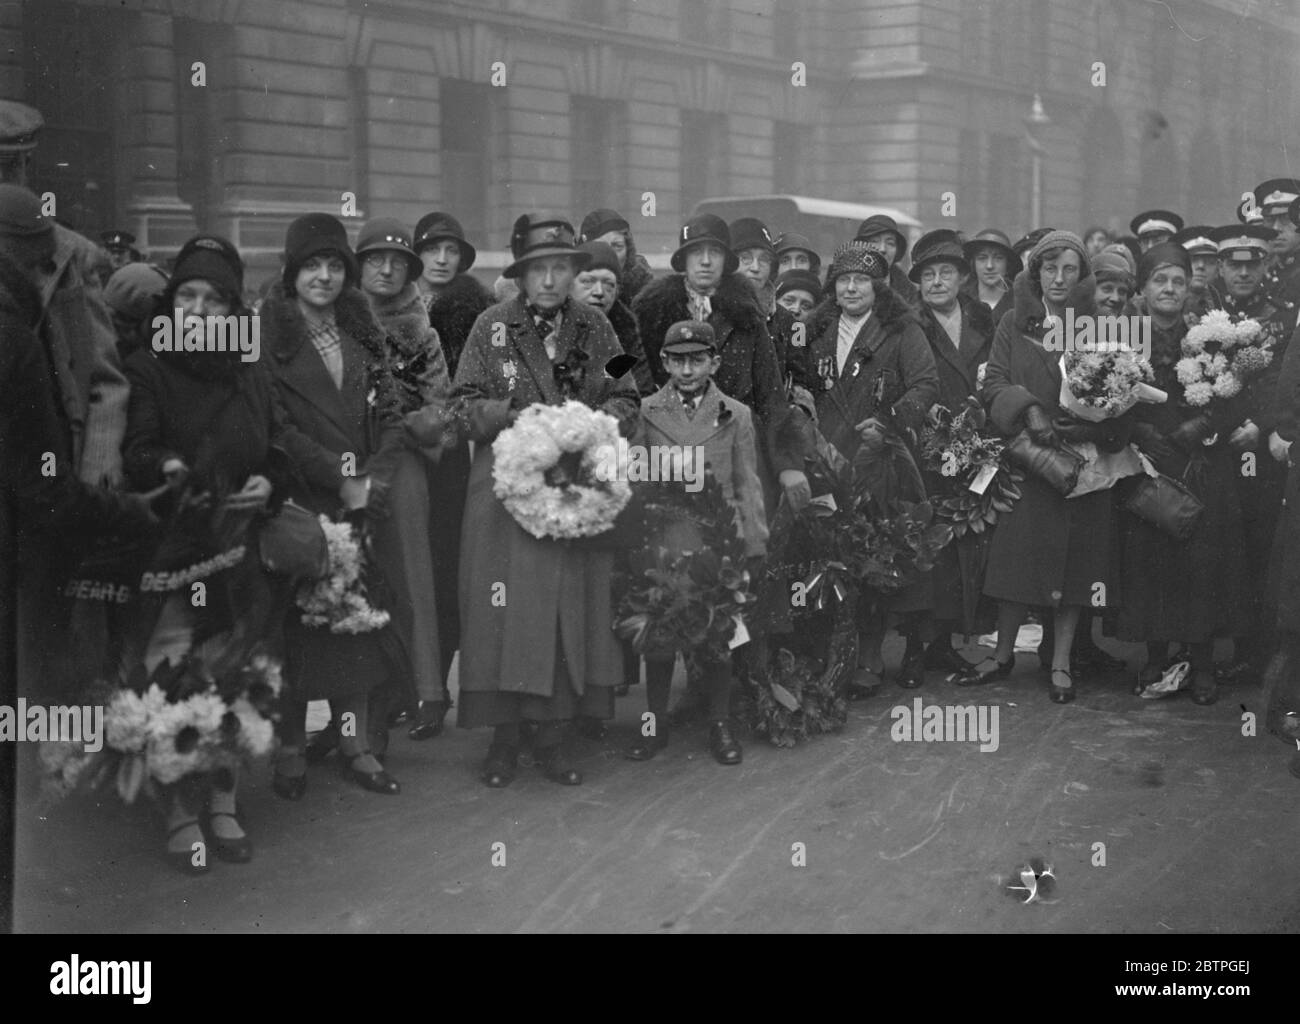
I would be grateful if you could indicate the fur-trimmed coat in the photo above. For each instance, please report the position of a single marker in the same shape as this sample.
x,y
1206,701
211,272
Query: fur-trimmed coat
x,y
629,336
959,366
636,275
453,312
414,348
363,419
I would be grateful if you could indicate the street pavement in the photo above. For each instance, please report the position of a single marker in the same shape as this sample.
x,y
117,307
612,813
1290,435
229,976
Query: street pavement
x,y
1153,816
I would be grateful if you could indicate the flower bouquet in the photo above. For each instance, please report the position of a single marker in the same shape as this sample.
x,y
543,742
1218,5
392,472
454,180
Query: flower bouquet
x,y
983,483
1097,386
796,697
693,602
339,600
1220,355
179,721
547,471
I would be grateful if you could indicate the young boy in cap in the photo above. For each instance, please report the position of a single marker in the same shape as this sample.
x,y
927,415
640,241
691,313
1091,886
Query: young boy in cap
x,y
691,412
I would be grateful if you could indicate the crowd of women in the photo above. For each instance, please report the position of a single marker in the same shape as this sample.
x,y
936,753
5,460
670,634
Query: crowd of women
x,y
387,371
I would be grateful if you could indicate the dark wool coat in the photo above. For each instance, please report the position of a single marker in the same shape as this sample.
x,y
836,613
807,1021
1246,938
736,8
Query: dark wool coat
x,y
959,571
629,336
557,594
1285,572
903,286
1197,589
452,315
971,289
1047,550
364,419
636,275
889,374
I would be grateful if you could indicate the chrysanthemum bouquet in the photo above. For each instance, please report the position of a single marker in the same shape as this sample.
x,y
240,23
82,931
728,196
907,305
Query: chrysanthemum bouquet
x,y
1220,355
545,471
983,485
339,600
1098,386
177,722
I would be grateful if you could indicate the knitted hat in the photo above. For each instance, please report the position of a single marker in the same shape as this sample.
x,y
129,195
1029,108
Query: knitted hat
x,y
311,235
601,222
1166,254
856,258
798,280
133,290
217,244
434,227
603,257
209,265
1057,239
701,228
1109,265
381,234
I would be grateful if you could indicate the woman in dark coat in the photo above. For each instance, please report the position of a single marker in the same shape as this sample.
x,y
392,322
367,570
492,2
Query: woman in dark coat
x,y
454,299
1195,590
1048,550
329,361
389,269
205,422
960,345
538,622
876,380
610,227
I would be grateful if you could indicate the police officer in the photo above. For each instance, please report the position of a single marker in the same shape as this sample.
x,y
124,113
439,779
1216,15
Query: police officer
x,y
1273,200
120,246
1204,285
1155,226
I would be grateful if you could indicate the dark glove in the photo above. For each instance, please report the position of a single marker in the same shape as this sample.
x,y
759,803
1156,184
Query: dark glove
x,y
1039,426
1190,433
1152,442
1103,435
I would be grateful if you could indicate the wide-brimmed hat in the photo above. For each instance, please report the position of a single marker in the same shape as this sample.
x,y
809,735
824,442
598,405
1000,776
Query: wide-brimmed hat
x,y
942,245
380,234
312,234
751,233
992,238
877,224
704,227
856,258
601,222
434,227
536,235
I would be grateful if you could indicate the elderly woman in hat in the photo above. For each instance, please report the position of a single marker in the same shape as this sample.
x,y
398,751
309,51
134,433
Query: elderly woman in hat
x,y
454,299
329,359
537,618
610,227
996,265
1188,591
876,380
389,271
881,233
1047,551
959,329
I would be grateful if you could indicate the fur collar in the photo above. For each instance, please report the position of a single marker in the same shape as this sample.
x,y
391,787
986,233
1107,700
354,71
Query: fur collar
x,y
1028,311
636,274
663,303
892,312
403,317
284,330
459,305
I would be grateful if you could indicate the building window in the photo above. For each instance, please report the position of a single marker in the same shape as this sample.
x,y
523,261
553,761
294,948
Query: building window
x,y
71,78
792,157
466,153
705,22
704,157
596,155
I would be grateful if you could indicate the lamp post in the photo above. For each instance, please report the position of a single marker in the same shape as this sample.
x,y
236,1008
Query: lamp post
x,y
1034,124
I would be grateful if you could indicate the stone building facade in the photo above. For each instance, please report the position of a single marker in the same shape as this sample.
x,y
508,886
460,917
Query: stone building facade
x,y
238,115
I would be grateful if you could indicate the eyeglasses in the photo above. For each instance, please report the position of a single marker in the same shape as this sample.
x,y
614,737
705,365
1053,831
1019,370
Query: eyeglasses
x,y
944,272
382,259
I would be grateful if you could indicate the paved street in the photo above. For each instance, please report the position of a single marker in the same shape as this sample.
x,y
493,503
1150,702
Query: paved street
x,y
1199,826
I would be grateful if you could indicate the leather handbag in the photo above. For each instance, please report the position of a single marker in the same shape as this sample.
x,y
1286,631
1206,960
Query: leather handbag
x,y
292,543
1059,468
1165,503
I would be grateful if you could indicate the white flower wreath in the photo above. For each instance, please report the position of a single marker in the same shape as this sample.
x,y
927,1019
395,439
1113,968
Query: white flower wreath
x,y
550,471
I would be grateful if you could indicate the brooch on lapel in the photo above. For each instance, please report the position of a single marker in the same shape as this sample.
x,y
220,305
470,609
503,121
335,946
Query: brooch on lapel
x,y
511,373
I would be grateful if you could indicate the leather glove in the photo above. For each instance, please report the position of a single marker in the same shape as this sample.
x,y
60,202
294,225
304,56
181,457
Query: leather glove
x,y
1191,433
1152,442
1039,426
1279,447
1245,438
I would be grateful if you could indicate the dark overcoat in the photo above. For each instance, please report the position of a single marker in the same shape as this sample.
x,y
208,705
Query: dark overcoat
x,y
557,606
1048,550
